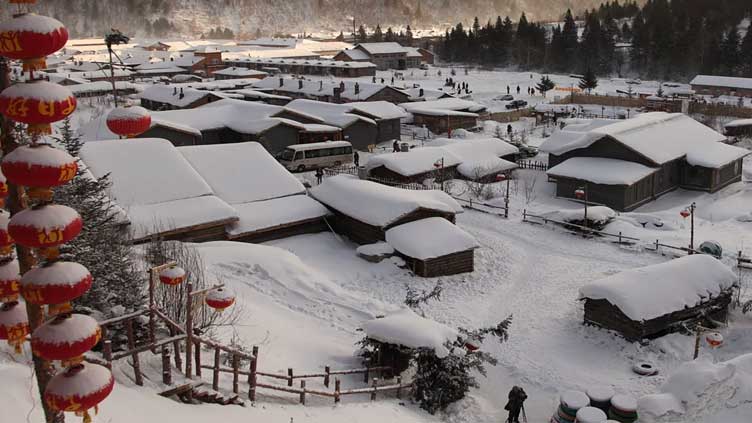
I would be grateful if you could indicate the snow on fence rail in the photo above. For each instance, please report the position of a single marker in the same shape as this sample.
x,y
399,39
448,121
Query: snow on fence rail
x,y
475,205
534,165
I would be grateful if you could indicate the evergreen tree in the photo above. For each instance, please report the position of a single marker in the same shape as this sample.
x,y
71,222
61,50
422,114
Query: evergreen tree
x,y
408,40
545,85
745,54
588,81
341,36
730,55
569,42
377,36
362,35
389,36
102,245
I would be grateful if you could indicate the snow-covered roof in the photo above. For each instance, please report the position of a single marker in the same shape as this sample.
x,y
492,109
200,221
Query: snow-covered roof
x,y
414,162
270,214
161,71
98,86
653,291
408,329
321,88
478,168
328,113
429,238
378,109
259,95
241,172
315,63
144,171
658,136
722,81
182,214
445,106
738,122
356,54
377,204
471,149
601,171
97,74
174,95
233,71
382,48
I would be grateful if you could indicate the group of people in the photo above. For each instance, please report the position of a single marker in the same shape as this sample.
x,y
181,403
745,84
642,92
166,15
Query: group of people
x,y
530,90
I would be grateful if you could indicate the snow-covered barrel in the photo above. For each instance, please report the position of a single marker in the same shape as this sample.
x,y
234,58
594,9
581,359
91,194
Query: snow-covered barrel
x,y
569,403
590,415
600,397
623,408
66,337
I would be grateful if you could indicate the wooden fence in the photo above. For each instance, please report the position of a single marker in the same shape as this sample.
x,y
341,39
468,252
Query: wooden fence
x,y
511,116
708,109
534,165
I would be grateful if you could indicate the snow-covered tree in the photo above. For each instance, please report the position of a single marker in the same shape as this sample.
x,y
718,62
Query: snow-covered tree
x,y
545,85
588,81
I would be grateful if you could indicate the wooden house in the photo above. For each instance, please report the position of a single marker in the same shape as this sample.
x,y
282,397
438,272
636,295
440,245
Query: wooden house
x,y
318,66
175,97
738,128
102,88
364,211
653,301
433,247
332,92
722,85
625,164
385,55
212,61
238,73
446,114
414,166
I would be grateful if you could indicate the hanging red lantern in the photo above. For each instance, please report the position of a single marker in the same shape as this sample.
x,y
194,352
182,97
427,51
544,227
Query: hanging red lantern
x,y
129,121
56,282
31,38
501,177
684,213
714,339
6,241
66,337
22,1
472,344
39,167
173,275
10,280
580,193
3,190
220,299
14,325
37,104
45,227
79,388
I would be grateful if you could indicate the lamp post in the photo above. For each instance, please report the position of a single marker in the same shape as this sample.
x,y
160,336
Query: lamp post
x,y
504,177
582,194
690,212
603,112
439,164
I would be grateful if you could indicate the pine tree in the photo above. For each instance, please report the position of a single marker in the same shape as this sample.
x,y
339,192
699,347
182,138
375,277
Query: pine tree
x,y
588,81
389,36
377,36
103,245
341,36
569,41
408,36
745,54
545,85
730,57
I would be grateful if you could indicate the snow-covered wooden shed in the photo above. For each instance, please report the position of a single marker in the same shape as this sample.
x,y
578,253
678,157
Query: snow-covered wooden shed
x,y
434,247
653,301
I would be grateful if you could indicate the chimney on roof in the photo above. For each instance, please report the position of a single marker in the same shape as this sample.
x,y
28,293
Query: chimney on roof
x,y
357,88
300,84
420,93
321,85
174,90
281,82
181,94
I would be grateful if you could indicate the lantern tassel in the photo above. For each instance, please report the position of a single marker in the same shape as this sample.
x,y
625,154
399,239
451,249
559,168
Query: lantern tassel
x,y
87,417
40,193
55,309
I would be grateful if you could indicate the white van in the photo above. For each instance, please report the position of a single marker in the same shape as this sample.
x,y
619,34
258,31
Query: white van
x,y
302,157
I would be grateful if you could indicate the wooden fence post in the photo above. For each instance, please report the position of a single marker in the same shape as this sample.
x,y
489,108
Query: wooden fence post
x,y
176,350
302,391
524,215
107,353
197,355
131,345
336,390
327,374
399,386
235,376
215,376
366,374
373,392
188,329
166,366
289,377
252,378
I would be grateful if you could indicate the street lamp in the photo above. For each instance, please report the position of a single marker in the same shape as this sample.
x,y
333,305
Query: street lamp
x,y
690,212
603,112
114,37
500,178
582,194
439,164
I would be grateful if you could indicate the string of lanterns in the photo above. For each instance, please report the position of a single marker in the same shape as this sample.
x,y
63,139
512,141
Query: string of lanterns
x,y
38,167
216,298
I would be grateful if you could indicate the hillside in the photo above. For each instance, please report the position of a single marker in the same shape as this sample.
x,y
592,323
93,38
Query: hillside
x,y
248,17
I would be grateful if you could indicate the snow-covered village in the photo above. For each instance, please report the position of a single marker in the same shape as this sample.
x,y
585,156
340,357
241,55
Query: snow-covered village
x,y
369,211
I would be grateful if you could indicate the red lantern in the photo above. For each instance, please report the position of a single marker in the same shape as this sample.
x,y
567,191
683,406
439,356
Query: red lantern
x,y
3,190
684,213
220,299
14,325
129,121
39,167
55,283
173,275
22,1
714,339
66,337
580,193
501,177
79,388
45,227
10,280
38,104
31,38
6,241
472,344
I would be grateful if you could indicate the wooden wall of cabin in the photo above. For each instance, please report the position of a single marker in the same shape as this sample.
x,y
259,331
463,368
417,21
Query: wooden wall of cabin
x,y
451,264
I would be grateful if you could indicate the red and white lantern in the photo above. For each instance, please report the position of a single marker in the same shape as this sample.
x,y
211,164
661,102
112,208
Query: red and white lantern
x,y
39,167
129,121
31,38
79,388
501,177
172,276
45,227
3,190
714,339
10,280
220,299
66,337
37,104
6,241
472,344
55,283
579,193
14,325
684,213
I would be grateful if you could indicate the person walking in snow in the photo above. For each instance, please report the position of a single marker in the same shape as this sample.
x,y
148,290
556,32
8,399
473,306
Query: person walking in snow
x,y
518,90
507,89
516,403
356,158
395,146
319,175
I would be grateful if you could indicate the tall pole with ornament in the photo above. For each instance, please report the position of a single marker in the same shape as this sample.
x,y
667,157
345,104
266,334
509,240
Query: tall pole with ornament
x,y
37,227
